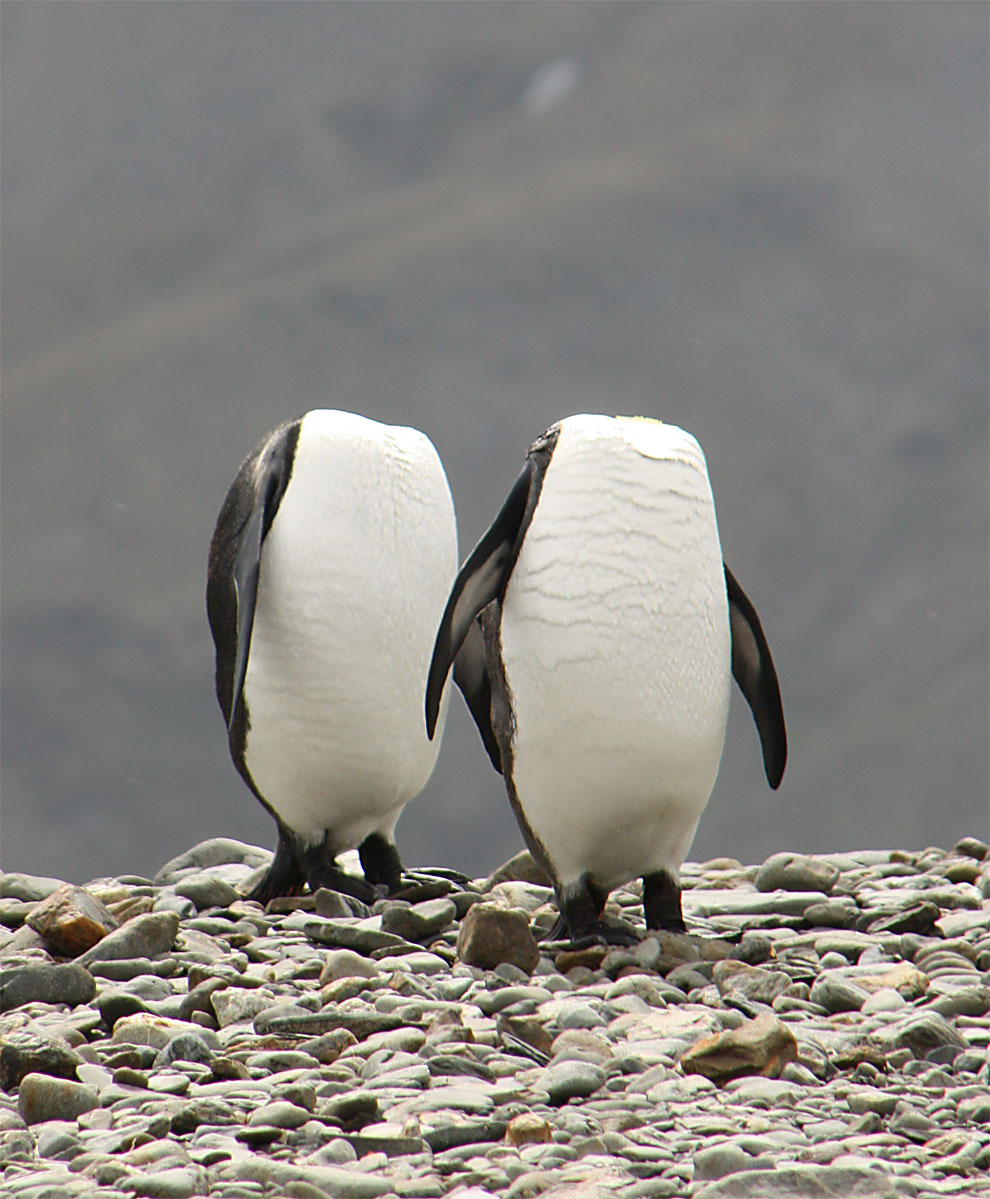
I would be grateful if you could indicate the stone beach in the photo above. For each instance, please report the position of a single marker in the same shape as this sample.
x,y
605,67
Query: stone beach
x,y
823,1029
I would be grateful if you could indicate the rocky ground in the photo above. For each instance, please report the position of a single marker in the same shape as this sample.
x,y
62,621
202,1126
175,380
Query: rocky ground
x,y
822,1031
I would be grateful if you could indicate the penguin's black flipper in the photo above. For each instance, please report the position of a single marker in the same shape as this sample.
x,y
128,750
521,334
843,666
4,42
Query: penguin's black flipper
x,y
753,670
471,676
481,579
235,559
246,566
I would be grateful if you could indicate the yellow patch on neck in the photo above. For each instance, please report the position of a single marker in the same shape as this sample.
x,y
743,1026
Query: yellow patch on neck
x,y
646,420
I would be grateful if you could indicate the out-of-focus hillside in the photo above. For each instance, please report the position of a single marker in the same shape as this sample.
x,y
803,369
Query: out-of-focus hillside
x,y
764,222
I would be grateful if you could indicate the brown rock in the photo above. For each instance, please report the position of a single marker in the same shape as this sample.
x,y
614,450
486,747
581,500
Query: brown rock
x,y
528,1129
853,1053
761,1046
490,935
71,920
527,1029
591,957
134,905
902,977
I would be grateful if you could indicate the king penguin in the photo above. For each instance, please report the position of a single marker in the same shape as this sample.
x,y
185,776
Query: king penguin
x,y
603,627
331,559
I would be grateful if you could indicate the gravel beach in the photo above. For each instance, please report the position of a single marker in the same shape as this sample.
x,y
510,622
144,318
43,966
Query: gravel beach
x,y
822,1030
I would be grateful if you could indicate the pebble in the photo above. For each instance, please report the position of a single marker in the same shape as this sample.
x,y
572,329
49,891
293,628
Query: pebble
x,y
796,872
571,1079
31,1048
45,982
41,1097
144,936
836,994
30,888
317,1048
419,921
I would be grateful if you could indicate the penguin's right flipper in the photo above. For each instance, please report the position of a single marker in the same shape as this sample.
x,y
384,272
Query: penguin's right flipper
x,y
753,670
471,676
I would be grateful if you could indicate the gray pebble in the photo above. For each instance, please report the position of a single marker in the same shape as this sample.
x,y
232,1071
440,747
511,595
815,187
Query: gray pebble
x,y
125,969
67,983
720,1160
186,1047
909,1121
577,1016
346,935
205,891
837,994
791,1180
571,1079
796,872
287,1020
419,921
214,852
30,888
492,1002
31,1049
280,1114
59,1140
178,1182
964,1001
144,936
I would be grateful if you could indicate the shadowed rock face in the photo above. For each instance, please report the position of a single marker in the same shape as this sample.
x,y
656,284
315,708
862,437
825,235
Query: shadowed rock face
x,y
765,224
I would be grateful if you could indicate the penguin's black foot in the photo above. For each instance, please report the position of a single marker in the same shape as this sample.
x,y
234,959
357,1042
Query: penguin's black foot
x,y
381,864
604,933
662,903
271,885
285,875
580,922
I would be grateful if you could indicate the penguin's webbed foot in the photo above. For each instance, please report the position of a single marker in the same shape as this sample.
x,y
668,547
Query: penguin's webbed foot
x,y
662,903
604,933
381,864
581,904
284,876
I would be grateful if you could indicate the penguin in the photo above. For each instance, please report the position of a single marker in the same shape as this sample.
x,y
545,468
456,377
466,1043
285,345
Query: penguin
x,y
602,627
331,559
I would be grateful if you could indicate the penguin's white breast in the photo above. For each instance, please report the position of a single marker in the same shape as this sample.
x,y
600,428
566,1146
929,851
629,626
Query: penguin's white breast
x,y
615,643
354,575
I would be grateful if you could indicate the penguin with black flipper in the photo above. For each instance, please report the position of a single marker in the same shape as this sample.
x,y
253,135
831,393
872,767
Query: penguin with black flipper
x,y
598,630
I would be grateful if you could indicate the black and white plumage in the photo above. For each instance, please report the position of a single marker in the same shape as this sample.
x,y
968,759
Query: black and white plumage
x,y
329,566
598,628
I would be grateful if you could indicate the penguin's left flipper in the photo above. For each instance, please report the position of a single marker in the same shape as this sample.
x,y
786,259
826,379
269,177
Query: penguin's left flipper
x,y
753,670
482,578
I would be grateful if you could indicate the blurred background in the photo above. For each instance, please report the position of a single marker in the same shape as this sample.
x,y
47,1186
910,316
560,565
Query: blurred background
x,y
765,222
